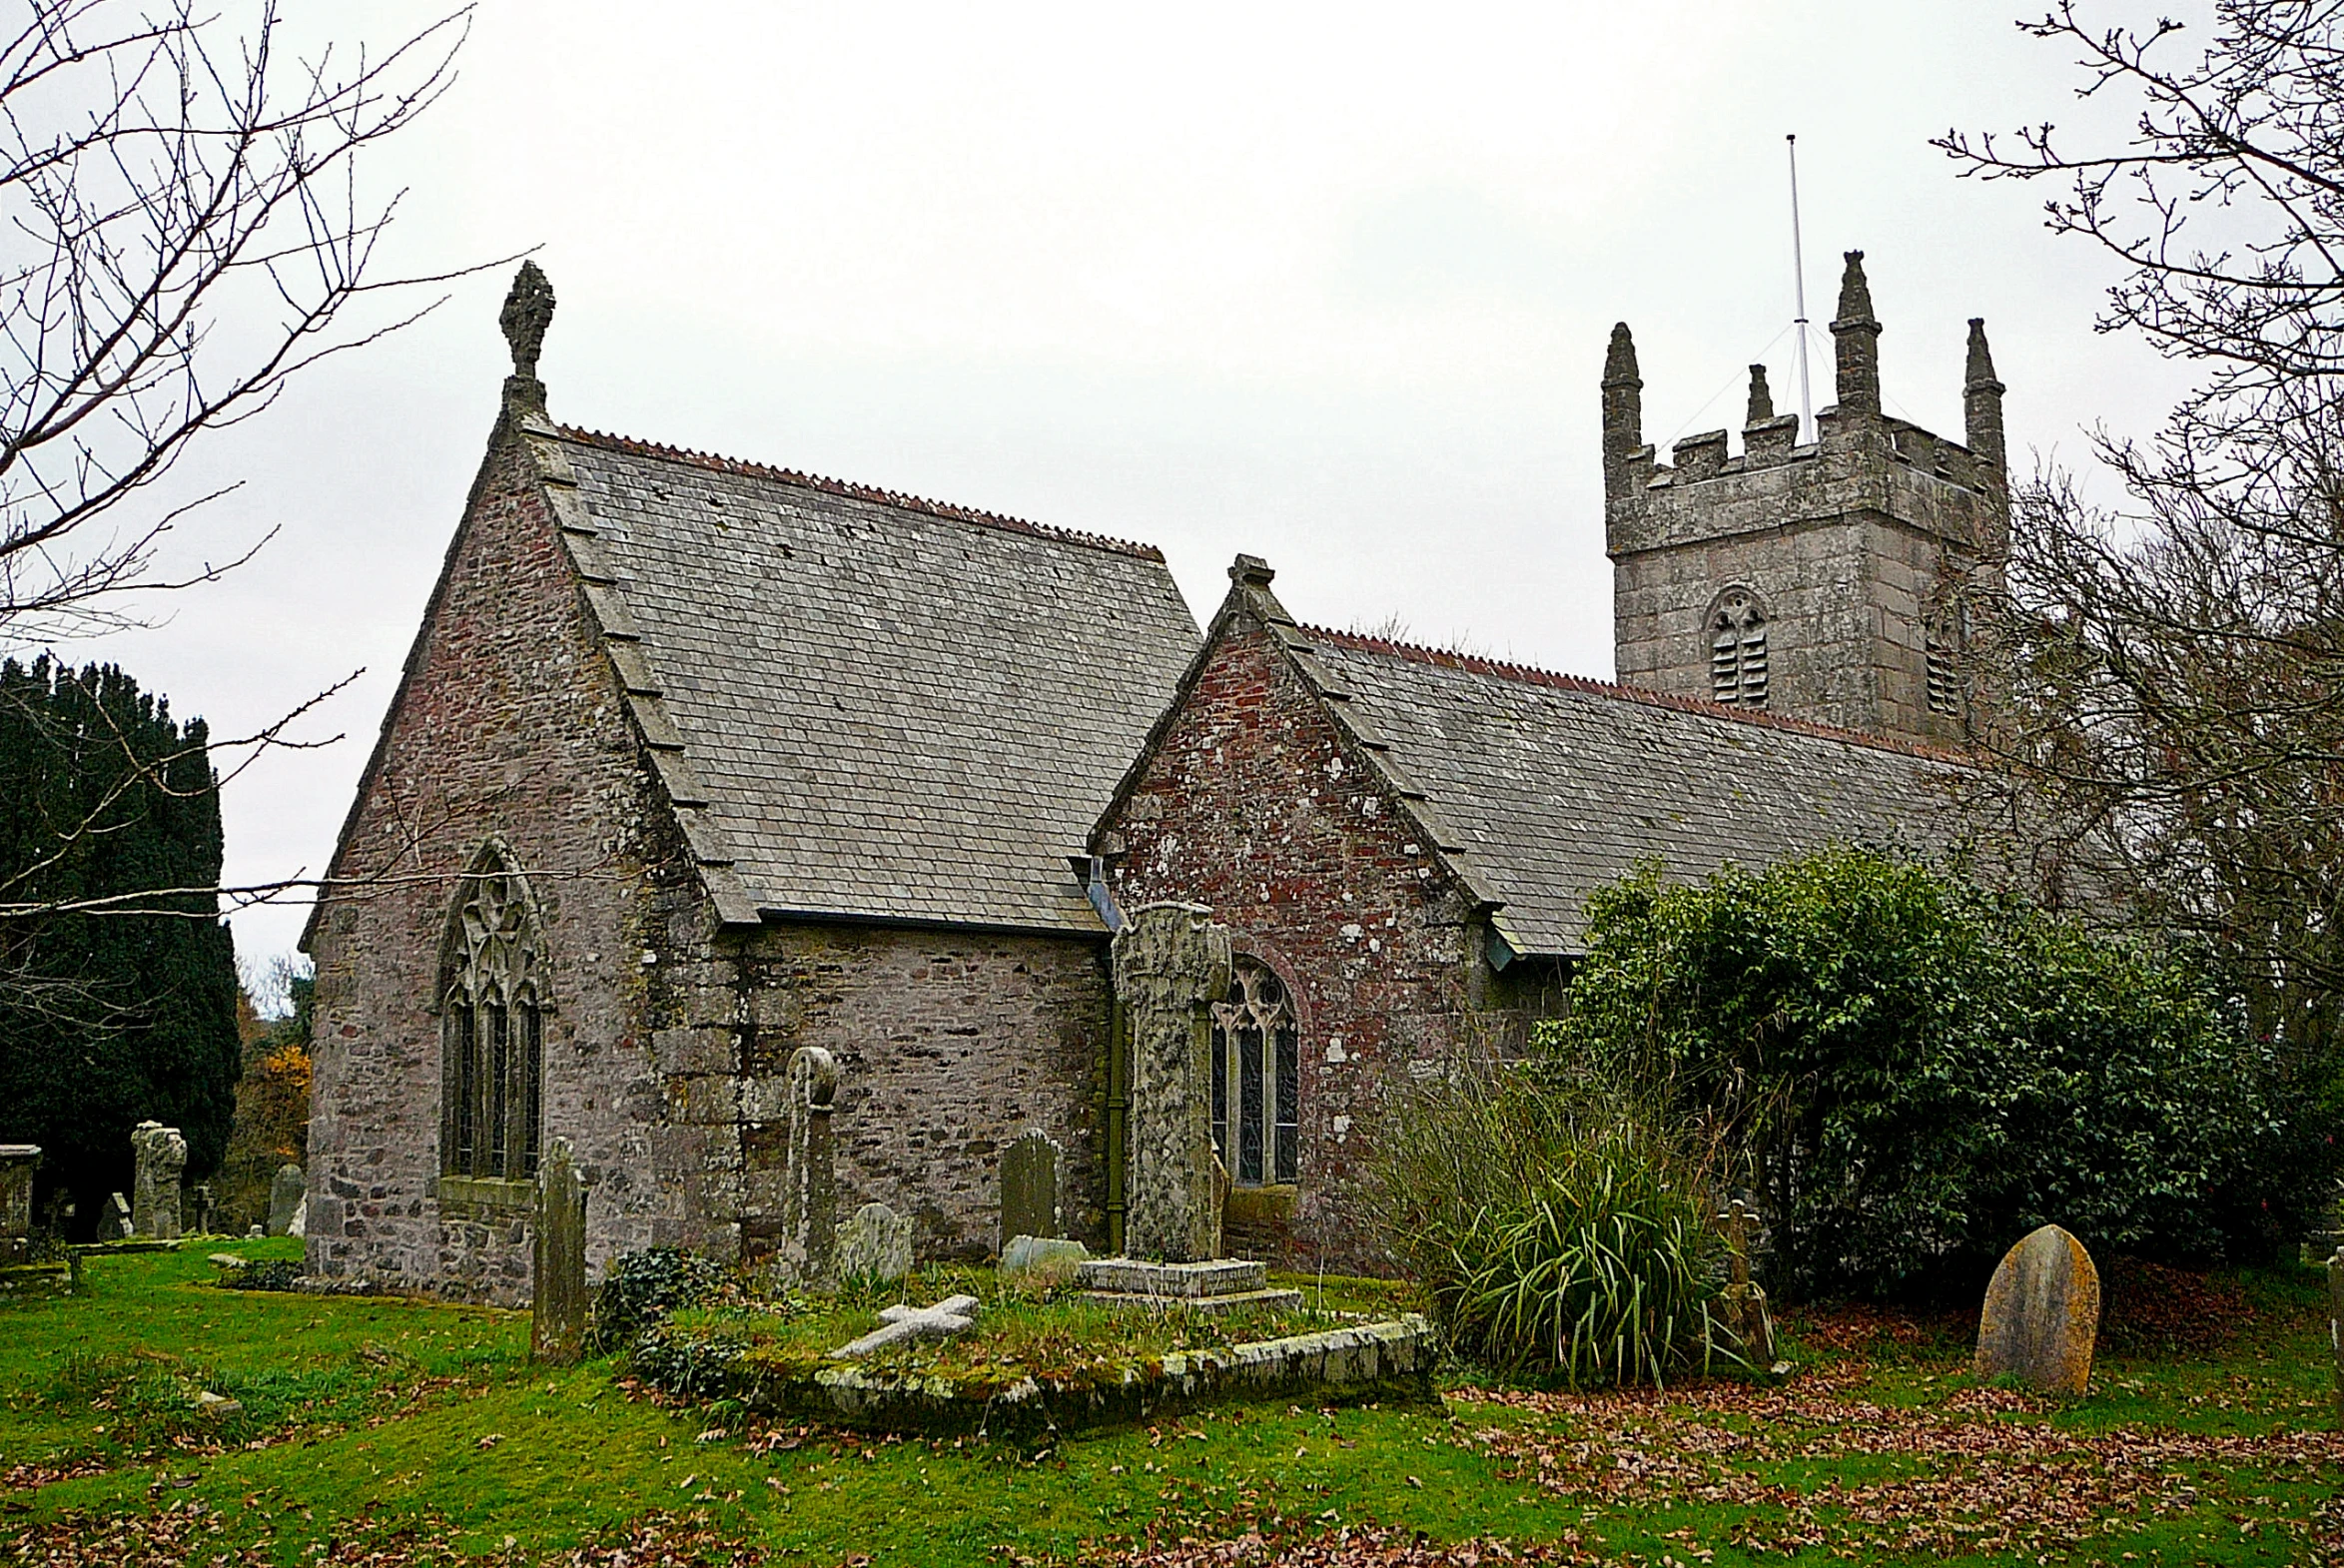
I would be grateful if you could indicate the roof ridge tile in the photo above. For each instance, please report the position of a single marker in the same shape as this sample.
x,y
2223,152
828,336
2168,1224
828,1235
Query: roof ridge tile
x,y
1530,674
743,468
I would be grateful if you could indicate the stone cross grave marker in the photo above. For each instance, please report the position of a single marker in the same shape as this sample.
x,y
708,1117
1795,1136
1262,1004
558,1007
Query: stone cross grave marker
x,y
285,1190
2041,1316
558,1297
1744,1301
1172,963
875,1245
1029,1190
807,1251
198,1199
161,1156
955,1314
18,1161
114,1222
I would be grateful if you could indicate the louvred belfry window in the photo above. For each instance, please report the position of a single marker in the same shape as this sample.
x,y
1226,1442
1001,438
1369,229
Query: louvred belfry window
x,y
493,1026
1256,1080
1736,650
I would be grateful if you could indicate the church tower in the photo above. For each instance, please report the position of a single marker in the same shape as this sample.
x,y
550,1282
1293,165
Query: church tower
x,y
1824,580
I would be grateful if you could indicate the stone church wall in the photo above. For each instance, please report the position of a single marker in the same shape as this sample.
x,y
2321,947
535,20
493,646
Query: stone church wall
x,y
510,725
950,1045
1254,806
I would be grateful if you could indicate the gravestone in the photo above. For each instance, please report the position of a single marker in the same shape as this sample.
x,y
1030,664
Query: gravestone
x,y
955,1314
18,1161
198,1199
2336,1325
1172,963
114,1222
558,1296
161,1154
1029,1190
285,1191
2042,1314
299,1225
875,1247
1744,1301
806,1252
1025,1253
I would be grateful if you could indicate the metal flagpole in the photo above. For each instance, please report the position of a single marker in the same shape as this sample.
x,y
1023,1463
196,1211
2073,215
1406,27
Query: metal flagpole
x,y
1799,275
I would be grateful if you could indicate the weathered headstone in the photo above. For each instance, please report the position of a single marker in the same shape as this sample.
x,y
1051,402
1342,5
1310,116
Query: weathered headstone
x,y
1026,1254
115,1222
2042,1314
1744,1301
558,1299
285,1191
18,1161
161,1156
198,1199
955,1314
1029,1190
876,1245
299,1225
1172,963
2336,1325
806,1252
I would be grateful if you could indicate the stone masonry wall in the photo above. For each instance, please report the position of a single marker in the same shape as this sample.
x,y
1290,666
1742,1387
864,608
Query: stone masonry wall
x,y
511,724
1847,544
950,1045
1256,806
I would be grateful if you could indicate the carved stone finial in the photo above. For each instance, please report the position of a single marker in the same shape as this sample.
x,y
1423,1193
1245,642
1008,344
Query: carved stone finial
x,y
528,310
1761,400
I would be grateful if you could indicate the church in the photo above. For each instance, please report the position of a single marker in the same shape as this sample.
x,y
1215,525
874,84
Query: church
x,y
695,762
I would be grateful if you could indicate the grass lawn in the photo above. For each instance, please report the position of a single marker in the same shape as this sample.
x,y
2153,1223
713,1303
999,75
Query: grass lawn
x,y
388,1432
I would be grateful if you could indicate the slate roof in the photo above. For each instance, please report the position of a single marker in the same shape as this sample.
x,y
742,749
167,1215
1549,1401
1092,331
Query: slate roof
x,y
866,704
1540,787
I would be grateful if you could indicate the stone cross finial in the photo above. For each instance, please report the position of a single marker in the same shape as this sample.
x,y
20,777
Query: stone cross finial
x,y
528,310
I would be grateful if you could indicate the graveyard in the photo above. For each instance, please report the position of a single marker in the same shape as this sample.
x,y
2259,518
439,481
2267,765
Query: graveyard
x,y
388,1430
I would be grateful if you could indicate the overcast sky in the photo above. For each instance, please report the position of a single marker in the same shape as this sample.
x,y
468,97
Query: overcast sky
x,y
1329,284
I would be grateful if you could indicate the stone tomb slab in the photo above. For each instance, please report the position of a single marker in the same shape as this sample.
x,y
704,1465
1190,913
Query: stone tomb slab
x,y
1139,1276
1269,1296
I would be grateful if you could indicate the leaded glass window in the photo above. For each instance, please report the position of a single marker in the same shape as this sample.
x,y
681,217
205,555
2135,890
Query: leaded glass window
x,y
493,1026
1256,1080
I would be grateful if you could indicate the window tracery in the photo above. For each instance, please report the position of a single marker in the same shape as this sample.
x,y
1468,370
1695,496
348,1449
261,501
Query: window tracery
x,y
1256,1079
1736,650
492,1022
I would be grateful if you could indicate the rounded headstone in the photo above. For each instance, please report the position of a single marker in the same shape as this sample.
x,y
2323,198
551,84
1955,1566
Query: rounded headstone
x,y
875,1245
2042,1314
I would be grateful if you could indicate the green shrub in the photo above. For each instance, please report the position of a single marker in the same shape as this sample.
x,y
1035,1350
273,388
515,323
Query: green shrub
x,y
641,1288
1551,1225
1918,1072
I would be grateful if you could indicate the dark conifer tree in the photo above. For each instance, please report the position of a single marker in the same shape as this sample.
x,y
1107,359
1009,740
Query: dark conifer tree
x,y
117,977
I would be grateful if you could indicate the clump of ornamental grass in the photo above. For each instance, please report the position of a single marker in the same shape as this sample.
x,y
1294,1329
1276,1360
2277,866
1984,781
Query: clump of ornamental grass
x,y
1553,1226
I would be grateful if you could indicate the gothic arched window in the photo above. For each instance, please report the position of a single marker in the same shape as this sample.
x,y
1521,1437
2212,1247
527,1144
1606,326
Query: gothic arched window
x,y
1256,1080
493,1026
1736,650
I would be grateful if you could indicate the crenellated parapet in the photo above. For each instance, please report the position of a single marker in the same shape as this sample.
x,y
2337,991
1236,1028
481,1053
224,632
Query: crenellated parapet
x,y
1856,540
